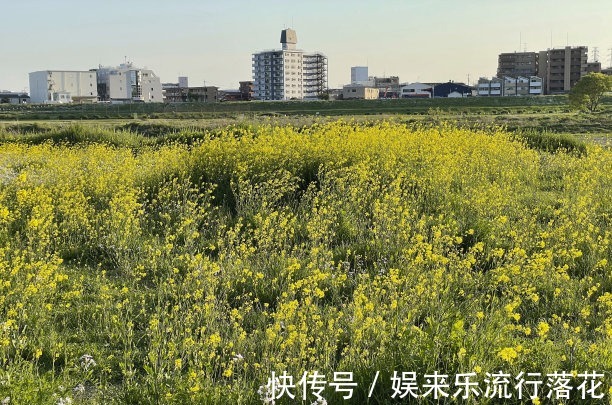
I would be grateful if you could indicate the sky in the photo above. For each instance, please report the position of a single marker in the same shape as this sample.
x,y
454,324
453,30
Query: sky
x,y
212,41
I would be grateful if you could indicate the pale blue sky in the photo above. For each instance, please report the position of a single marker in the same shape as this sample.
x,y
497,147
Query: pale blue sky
x,y
212,41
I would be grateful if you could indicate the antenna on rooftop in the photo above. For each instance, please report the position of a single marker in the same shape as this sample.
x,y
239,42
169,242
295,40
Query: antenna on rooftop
x,y
550,39
595,54
610,57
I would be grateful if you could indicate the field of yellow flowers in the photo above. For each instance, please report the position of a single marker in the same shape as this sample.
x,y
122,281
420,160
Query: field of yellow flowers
x,y
191,271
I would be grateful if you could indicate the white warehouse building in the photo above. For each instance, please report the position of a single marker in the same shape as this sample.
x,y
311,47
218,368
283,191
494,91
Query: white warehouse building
x,y
418,90
127,84
63,86
289,73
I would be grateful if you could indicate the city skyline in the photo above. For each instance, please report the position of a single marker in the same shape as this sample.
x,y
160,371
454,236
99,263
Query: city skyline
x,y
213,43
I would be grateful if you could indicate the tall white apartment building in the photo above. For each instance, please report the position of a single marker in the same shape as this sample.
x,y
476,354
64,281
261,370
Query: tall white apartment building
x,y
126,84
63,86
289,73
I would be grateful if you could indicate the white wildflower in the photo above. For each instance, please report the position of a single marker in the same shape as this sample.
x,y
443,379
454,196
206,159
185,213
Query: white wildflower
x,y
6,401
64,401
266,394
79,389
87,361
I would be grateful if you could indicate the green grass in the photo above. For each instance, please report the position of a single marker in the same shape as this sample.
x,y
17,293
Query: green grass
x,y
332,108
165,249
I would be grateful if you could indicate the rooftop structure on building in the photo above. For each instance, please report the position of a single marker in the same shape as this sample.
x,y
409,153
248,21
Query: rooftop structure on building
x,y
289,73
359,75
63,86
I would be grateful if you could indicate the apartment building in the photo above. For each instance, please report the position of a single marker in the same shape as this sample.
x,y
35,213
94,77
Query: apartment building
x,y
288,73
246,90
561,68
510,86
490,87
203,94
63,86
593,67
516,64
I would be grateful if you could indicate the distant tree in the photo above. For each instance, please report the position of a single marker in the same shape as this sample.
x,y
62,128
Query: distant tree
x,y
587,93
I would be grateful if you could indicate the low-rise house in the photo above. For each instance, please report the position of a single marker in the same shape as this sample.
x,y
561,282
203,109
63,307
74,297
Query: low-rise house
x,y
203,94
418,90
353,91
9,97
452,89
